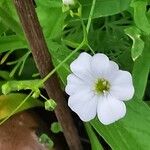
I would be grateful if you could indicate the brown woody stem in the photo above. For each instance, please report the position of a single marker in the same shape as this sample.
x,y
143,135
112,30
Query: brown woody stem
x,y
35,38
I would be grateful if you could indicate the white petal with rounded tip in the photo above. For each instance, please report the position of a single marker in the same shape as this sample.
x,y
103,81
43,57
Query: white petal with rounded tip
x,y
113,66
99,64
74,84
122,87
110,74
124,92
83,96
123,77
74,88
85,106
110,109
81,66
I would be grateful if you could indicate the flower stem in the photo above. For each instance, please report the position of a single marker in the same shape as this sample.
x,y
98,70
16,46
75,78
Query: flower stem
x,y
90,16
59,65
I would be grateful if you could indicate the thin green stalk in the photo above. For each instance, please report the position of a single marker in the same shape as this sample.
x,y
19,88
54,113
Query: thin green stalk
x,y
86,29
84,42
58,66
23,62
43,97
84,32
90,16
91,49
5,56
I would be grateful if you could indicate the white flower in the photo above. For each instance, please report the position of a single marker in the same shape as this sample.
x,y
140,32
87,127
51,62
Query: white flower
x,y
68,2
98,87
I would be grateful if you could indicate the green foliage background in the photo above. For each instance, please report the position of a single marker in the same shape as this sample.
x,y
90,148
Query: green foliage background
x,y
119,28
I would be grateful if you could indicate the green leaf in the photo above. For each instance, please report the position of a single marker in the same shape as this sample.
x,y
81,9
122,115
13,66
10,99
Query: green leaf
x,y
131,132
56,127
95,143
3,28
9,102
5,75
9,21
141,71
104,7
1,2
11,42
138,44
50,3
140,17
51,19
9,7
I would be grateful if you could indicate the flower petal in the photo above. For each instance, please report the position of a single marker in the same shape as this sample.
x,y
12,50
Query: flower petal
x,y
113,66
81,66
123,77
110,109
79,97
122,87
84,104
99,64
123,93
110,74
74,84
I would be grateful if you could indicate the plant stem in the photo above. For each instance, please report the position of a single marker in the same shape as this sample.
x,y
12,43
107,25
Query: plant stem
x,y
90,16
42,57
59,65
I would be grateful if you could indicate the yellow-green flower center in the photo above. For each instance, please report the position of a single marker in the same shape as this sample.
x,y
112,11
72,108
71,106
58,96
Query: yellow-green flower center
x,y
101,86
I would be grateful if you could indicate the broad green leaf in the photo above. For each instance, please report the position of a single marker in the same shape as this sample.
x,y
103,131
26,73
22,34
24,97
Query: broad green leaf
x,y
50,3
3,28
140,17
9,102
51,19
95,143
131,132
11,42
138,44
141,71
1,2
74,36
104,7
9,7
10,22
4,75
126,61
